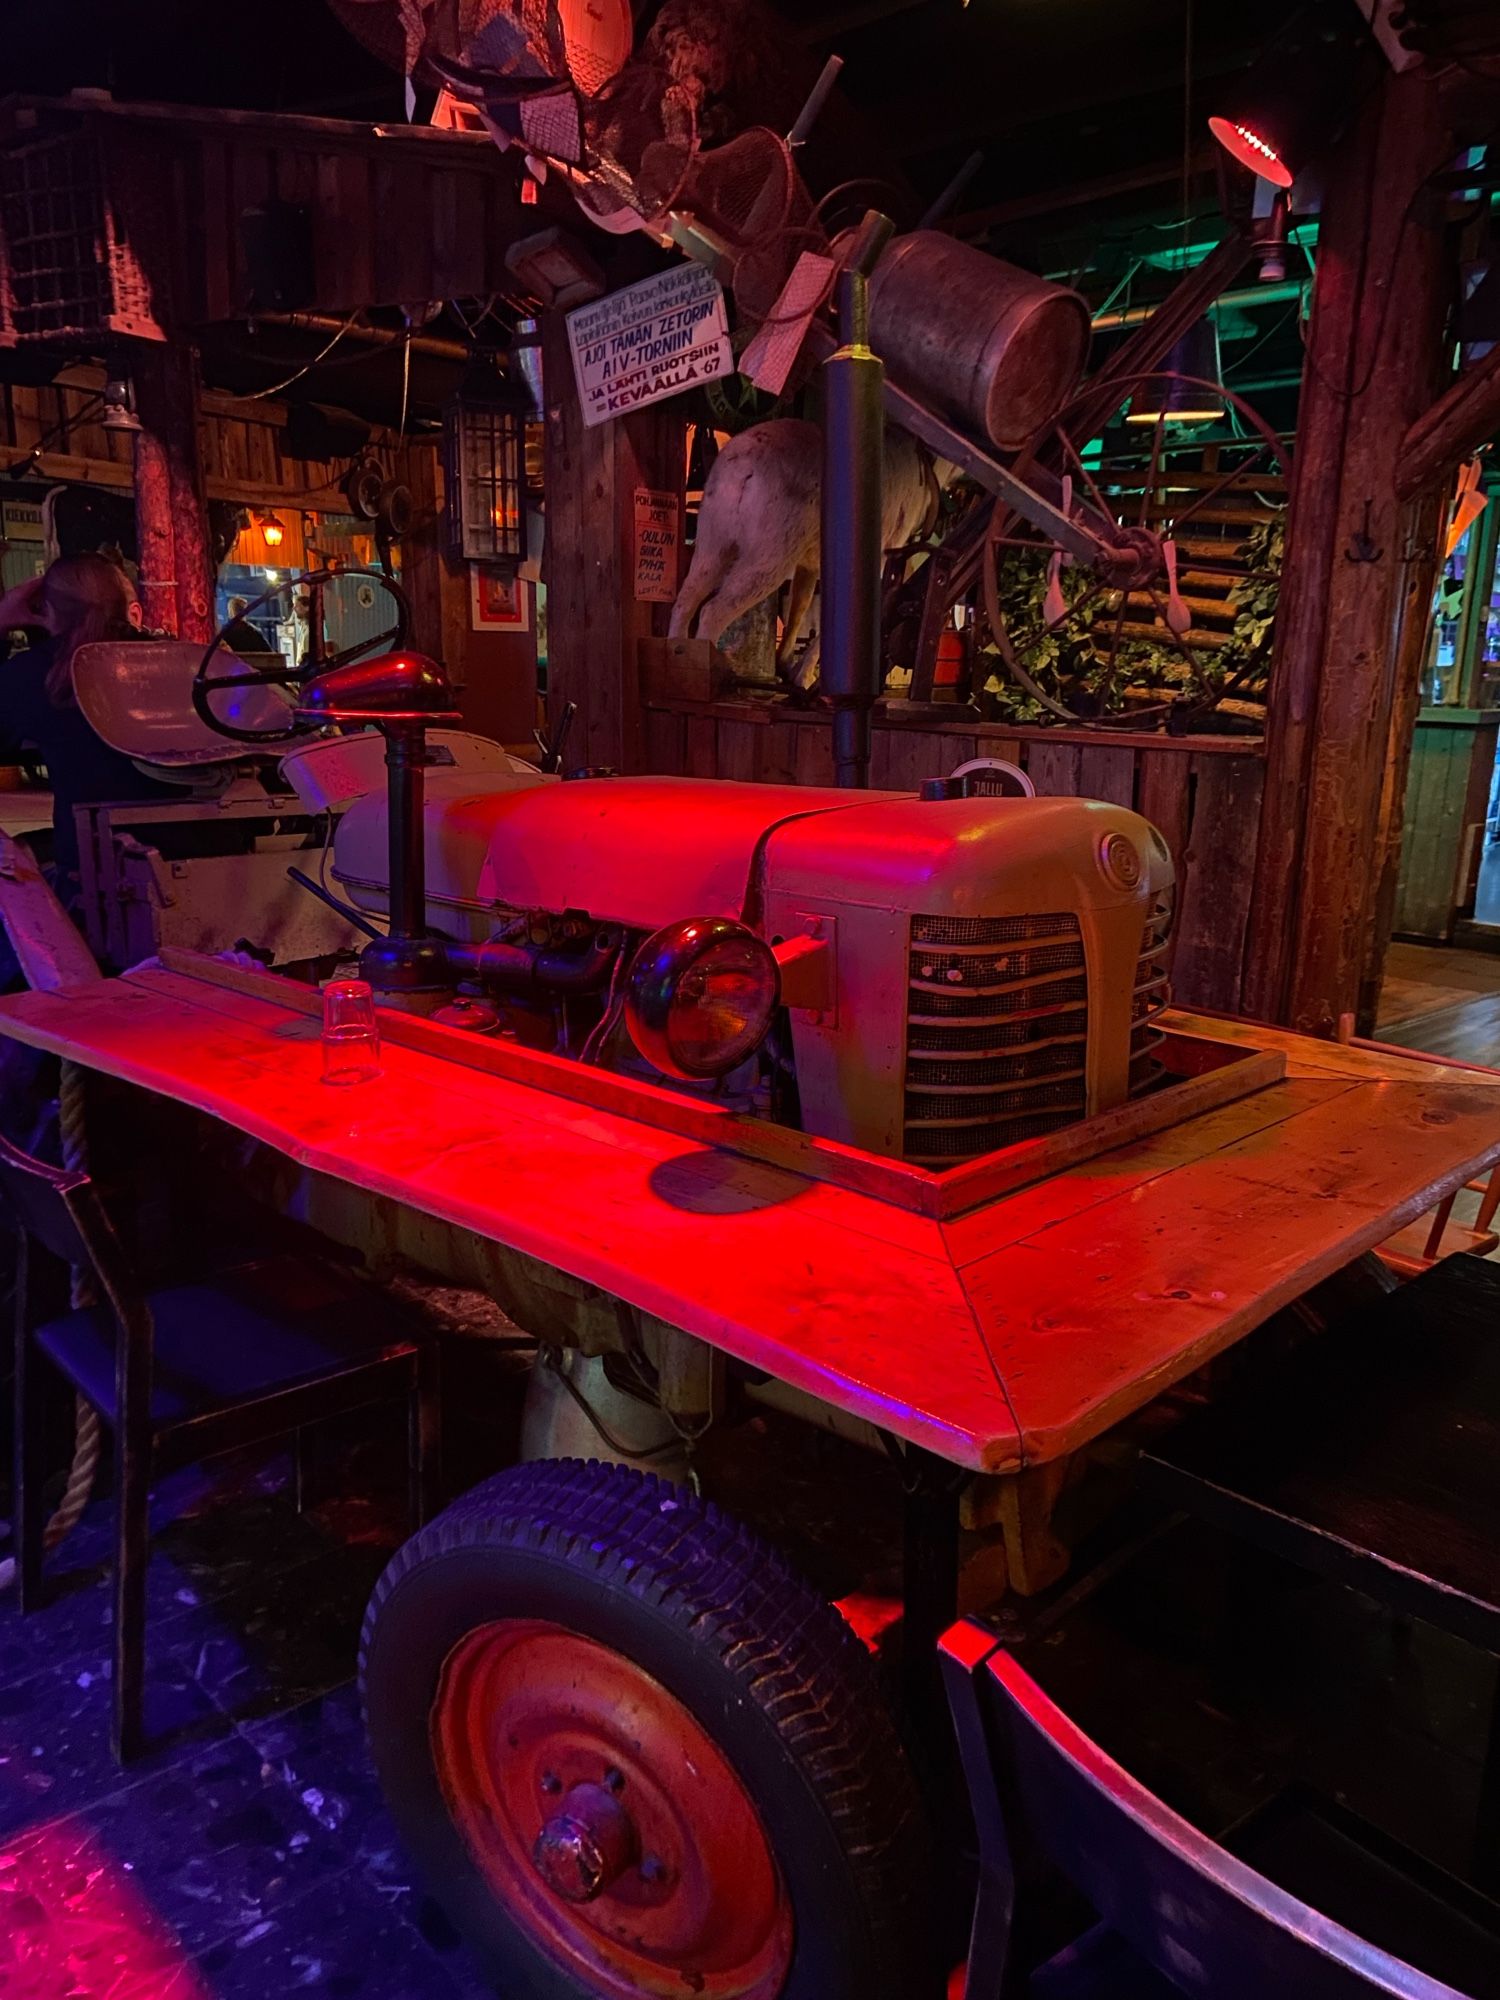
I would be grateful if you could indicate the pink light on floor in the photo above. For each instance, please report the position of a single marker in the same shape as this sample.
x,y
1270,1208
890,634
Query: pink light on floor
x,y
73,1922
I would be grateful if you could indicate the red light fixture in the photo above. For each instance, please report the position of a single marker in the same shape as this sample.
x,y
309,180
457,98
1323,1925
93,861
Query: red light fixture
x,y
1296,98
1252,151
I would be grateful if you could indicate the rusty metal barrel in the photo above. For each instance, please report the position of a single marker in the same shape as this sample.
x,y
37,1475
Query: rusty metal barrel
x,y
995,349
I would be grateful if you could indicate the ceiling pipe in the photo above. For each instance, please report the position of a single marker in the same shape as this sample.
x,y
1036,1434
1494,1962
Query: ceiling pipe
x,y
371,336
1252,295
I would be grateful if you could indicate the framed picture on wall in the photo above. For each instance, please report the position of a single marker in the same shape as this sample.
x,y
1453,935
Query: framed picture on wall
x,y
498,600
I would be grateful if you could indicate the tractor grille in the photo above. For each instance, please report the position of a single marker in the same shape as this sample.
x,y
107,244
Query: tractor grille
x,y
1153,993
996,1035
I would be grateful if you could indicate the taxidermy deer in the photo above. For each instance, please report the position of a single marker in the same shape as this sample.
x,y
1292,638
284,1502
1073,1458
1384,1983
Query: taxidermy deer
x,y
758,530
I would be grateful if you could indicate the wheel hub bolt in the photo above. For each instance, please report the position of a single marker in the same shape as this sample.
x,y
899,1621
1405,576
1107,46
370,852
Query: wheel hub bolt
x,y
586,1845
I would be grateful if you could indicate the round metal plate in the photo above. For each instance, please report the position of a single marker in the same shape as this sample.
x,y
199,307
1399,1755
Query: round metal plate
x,y
528,1719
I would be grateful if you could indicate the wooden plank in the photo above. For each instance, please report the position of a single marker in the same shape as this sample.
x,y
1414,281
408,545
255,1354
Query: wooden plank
x,y
452,254
779,756
701,758
731,1255
814,751
1214,907
1163,796
629,1097
896,760
1105,773
949,719
211,208
1159,1283
1052,768
666,743
1134,1166
1033,1160
1007,748
739,749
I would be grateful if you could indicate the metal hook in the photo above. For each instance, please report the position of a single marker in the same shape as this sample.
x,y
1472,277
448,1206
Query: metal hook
x,y
1362,547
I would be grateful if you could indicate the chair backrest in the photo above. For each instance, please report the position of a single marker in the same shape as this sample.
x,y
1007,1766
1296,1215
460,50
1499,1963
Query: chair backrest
x,y
1207,1922
60,1208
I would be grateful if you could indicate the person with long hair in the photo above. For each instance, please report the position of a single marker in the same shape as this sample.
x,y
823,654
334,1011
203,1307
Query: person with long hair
x,y
79,600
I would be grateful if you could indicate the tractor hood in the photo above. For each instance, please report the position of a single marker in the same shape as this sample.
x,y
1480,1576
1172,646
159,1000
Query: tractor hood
x,y
633,851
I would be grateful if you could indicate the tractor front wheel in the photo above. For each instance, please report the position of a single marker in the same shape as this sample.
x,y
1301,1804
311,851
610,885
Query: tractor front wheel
x,y
635,1755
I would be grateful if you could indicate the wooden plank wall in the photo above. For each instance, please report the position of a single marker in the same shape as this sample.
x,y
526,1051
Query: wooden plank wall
x,y
1203,794
395,214
240,442
1447,795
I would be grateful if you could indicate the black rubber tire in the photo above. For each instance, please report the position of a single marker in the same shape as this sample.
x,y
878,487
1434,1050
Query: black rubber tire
x,y
717,1615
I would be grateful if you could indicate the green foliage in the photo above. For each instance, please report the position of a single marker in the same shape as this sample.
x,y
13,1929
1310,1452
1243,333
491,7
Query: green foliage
x,y
1072,664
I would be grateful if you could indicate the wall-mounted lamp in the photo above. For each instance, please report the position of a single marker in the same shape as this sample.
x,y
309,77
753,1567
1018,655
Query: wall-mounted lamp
x,y
272,532
119,404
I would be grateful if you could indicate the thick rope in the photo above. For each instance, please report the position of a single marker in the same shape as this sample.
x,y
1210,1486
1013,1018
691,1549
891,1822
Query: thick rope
x,y
87,1431
86,1426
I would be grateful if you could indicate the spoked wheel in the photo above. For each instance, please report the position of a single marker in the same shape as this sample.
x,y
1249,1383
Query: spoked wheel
x,y
1075,633
634,1755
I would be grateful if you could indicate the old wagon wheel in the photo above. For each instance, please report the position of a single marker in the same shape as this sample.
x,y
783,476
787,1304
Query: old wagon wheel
x,y
1073,633
635,1755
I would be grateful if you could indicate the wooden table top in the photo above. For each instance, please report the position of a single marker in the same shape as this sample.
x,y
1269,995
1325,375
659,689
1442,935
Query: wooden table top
x,y
1007,1336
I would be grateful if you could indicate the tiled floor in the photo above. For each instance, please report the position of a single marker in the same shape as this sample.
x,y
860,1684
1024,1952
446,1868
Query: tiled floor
x,y
248,1854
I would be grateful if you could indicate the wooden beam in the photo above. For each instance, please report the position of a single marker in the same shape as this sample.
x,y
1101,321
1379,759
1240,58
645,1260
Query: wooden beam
x,y
594,619
1081,194
1338,675
1465,417
176,571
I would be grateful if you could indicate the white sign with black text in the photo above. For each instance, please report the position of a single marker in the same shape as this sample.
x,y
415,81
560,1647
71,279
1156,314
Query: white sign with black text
x,y
648,342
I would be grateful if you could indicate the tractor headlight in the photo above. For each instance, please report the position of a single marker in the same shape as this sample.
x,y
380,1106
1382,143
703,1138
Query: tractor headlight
x,y
701,997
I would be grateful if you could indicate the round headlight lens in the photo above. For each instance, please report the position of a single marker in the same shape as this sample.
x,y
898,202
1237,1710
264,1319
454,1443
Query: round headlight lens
x,y
701,997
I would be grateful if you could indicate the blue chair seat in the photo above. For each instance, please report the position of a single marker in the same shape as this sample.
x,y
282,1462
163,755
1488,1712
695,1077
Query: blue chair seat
x,y
255,1330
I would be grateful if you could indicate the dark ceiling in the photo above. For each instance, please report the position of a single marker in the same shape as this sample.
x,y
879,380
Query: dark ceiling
x,y
1076,105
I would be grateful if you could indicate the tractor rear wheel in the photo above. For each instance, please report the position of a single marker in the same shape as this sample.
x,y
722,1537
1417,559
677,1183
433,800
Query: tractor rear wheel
x,y
633,1754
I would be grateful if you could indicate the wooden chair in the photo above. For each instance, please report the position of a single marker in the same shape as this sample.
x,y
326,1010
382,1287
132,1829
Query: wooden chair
x,y
183,1372
1181,1914
1429,1239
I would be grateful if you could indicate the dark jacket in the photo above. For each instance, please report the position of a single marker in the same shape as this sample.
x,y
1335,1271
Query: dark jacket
x,y
81,767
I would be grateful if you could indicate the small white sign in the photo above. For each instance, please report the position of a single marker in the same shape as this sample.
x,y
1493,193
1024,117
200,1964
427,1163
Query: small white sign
x,y
651,341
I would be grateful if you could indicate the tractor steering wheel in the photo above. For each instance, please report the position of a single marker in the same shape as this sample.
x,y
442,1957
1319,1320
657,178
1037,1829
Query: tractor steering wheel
x,y
207,686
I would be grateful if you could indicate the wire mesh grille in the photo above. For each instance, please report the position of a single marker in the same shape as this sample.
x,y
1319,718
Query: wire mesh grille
x,y
1153,994
69,266
986,1067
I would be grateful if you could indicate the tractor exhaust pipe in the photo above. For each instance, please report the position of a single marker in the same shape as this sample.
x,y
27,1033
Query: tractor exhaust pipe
x,y
853,453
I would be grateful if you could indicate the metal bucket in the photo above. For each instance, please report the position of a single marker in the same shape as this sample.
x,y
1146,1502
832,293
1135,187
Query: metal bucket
x,y
993,348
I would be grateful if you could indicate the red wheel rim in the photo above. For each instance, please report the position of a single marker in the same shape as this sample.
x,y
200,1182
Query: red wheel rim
x,y
605,1819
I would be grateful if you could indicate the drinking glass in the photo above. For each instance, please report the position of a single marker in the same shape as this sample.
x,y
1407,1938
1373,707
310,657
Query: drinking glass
x,y
351,1037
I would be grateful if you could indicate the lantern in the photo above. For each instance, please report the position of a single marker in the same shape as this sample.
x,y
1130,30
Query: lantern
x,y
484,464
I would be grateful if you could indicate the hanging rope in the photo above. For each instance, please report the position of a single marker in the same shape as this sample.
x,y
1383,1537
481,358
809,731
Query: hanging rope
x,y
87,1431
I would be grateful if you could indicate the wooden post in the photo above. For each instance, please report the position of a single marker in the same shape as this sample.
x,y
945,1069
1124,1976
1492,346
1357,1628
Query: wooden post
x,y
594,620
171,510
1334,774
